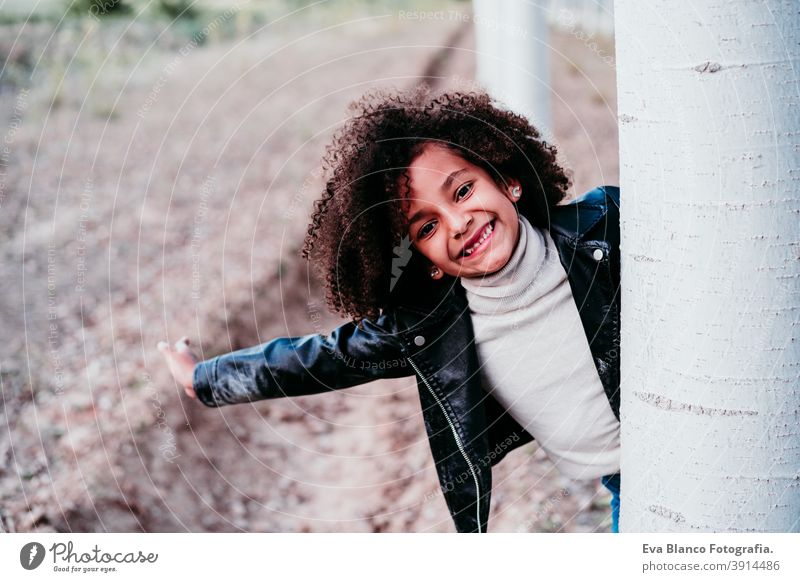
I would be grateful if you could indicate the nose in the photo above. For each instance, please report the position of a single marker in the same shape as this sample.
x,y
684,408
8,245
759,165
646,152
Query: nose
x,y
459,224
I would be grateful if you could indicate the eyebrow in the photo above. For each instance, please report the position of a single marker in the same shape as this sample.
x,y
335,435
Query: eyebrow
x,y
451,177
444,187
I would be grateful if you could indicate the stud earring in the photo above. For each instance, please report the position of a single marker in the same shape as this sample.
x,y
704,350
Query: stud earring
x,y
515,192
434,272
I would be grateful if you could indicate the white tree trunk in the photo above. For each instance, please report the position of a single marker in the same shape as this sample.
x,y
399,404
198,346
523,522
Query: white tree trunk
x,y
513,56
709,114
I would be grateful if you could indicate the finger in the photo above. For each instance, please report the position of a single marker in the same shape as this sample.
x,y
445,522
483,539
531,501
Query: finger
x,y
181,346
184,339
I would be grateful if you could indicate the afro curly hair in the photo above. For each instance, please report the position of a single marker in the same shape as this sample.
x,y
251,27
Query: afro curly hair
x,y
359,219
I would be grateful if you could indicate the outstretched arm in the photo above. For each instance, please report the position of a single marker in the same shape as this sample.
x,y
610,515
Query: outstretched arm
x,y
302,365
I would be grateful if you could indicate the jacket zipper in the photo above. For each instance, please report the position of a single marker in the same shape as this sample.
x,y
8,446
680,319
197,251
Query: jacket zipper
x,y
458,439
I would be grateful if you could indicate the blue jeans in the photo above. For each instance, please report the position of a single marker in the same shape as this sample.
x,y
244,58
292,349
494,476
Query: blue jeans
x,y
612,483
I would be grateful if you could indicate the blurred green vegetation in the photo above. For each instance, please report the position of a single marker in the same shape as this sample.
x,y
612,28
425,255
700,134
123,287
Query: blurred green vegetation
x,y
96,8
69,48
54,10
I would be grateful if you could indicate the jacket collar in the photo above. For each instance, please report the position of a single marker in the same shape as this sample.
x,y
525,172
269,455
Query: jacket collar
x,y
576,218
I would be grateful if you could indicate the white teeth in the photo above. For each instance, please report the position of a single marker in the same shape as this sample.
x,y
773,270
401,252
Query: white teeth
x,y
486,232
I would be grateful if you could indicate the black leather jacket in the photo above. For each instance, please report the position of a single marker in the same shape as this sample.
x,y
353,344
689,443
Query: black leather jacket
x,y
427,332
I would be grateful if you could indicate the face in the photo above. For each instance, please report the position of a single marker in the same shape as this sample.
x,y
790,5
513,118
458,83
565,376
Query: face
x,y
461,221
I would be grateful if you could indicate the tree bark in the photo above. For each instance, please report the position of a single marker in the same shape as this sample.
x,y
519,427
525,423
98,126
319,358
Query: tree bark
x,y
709,119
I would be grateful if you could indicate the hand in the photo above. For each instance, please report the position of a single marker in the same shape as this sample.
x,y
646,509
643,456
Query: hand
x,y
181,363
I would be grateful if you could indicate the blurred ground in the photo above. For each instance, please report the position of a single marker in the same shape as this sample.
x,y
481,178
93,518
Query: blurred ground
x,y
154,186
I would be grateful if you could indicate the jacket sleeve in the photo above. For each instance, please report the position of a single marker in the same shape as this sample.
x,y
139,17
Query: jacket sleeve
x,y
302,365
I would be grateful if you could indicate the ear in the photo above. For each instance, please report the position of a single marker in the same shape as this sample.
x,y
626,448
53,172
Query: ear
x,y
510,186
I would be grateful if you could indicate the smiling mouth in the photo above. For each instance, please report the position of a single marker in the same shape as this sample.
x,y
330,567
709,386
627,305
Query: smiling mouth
x,y
480,244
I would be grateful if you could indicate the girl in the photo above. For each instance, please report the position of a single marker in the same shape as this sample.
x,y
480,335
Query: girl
x,y
441,237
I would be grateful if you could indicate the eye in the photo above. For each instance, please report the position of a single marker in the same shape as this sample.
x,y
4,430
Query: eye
x,y
422,233
465,189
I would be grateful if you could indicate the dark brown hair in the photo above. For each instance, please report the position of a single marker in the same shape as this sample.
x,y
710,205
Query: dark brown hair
x,y
358,220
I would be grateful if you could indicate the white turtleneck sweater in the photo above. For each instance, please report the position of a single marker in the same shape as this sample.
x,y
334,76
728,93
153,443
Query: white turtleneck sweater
x,y
535,358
